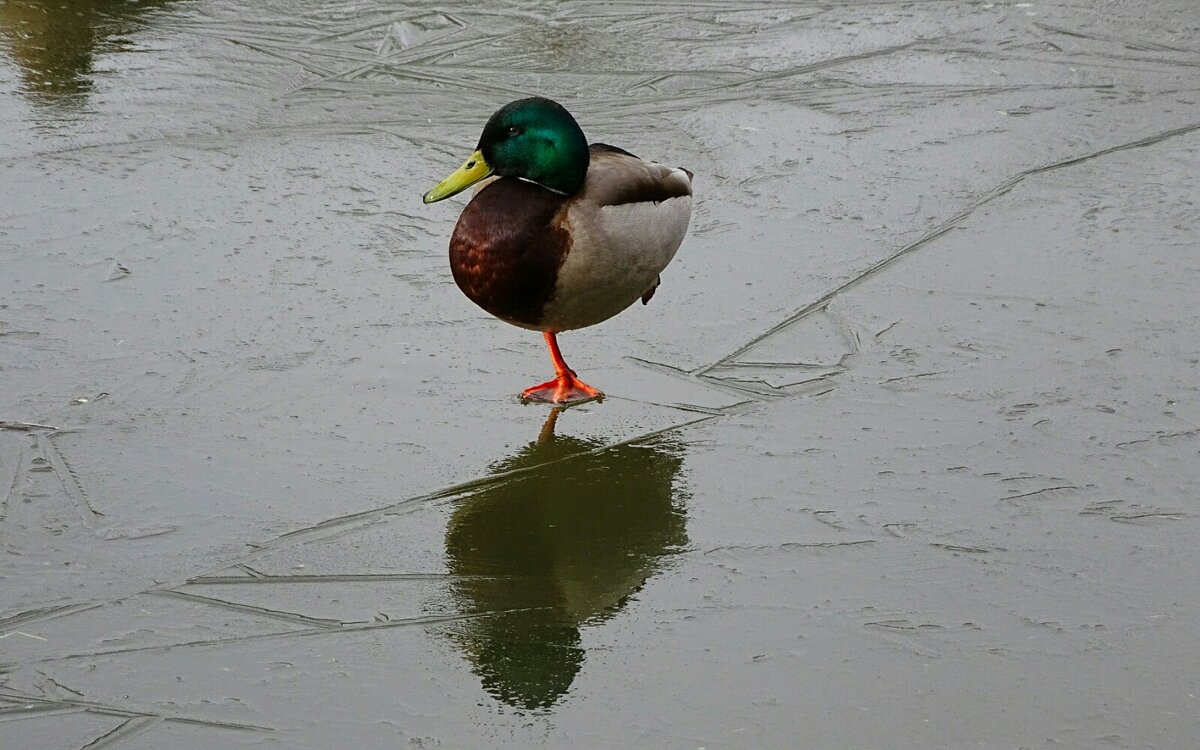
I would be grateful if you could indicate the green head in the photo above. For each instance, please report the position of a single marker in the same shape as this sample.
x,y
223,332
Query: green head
x,y
535,139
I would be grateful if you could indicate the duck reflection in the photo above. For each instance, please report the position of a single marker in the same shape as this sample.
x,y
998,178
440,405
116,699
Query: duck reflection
x,y
555,549
54,42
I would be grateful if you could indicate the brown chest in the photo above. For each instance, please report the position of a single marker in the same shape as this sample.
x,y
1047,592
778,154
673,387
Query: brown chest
x,y
507,248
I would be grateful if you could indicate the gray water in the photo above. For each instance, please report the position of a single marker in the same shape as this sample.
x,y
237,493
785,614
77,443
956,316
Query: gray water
x,y
902,454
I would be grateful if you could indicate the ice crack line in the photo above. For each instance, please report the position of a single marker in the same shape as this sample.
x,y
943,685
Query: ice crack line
x,y
1003,188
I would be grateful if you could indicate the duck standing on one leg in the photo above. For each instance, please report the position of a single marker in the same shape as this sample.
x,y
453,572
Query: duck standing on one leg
x,y
563,235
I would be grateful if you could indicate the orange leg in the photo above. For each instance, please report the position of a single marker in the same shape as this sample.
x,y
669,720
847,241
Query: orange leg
x,y
565,388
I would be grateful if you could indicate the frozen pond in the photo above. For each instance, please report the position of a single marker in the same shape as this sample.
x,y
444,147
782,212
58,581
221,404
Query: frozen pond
x,y
904,453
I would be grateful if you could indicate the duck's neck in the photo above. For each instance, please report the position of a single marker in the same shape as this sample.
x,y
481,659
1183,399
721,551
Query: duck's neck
x,y
563,167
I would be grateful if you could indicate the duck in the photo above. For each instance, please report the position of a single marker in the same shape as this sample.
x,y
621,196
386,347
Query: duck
x,y
560,234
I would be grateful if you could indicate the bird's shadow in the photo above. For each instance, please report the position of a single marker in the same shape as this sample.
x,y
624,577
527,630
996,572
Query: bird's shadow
x,y
555,549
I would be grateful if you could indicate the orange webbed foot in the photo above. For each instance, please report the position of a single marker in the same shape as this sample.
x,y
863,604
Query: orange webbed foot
x,y
564,389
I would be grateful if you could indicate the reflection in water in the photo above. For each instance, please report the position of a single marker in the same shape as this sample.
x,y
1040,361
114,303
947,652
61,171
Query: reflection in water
x,y
562,546
54,42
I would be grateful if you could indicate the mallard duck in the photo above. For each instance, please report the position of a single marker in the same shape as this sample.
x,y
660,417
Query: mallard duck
x,y
561,235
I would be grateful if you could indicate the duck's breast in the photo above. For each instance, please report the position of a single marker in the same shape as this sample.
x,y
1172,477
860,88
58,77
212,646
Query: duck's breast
x,y
507,248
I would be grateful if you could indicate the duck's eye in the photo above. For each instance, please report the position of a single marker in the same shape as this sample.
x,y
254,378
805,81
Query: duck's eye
x,y
514,131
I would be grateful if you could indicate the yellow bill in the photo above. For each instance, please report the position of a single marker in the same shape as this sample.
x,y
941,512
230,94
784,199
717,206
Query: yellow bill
x,y
472,171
